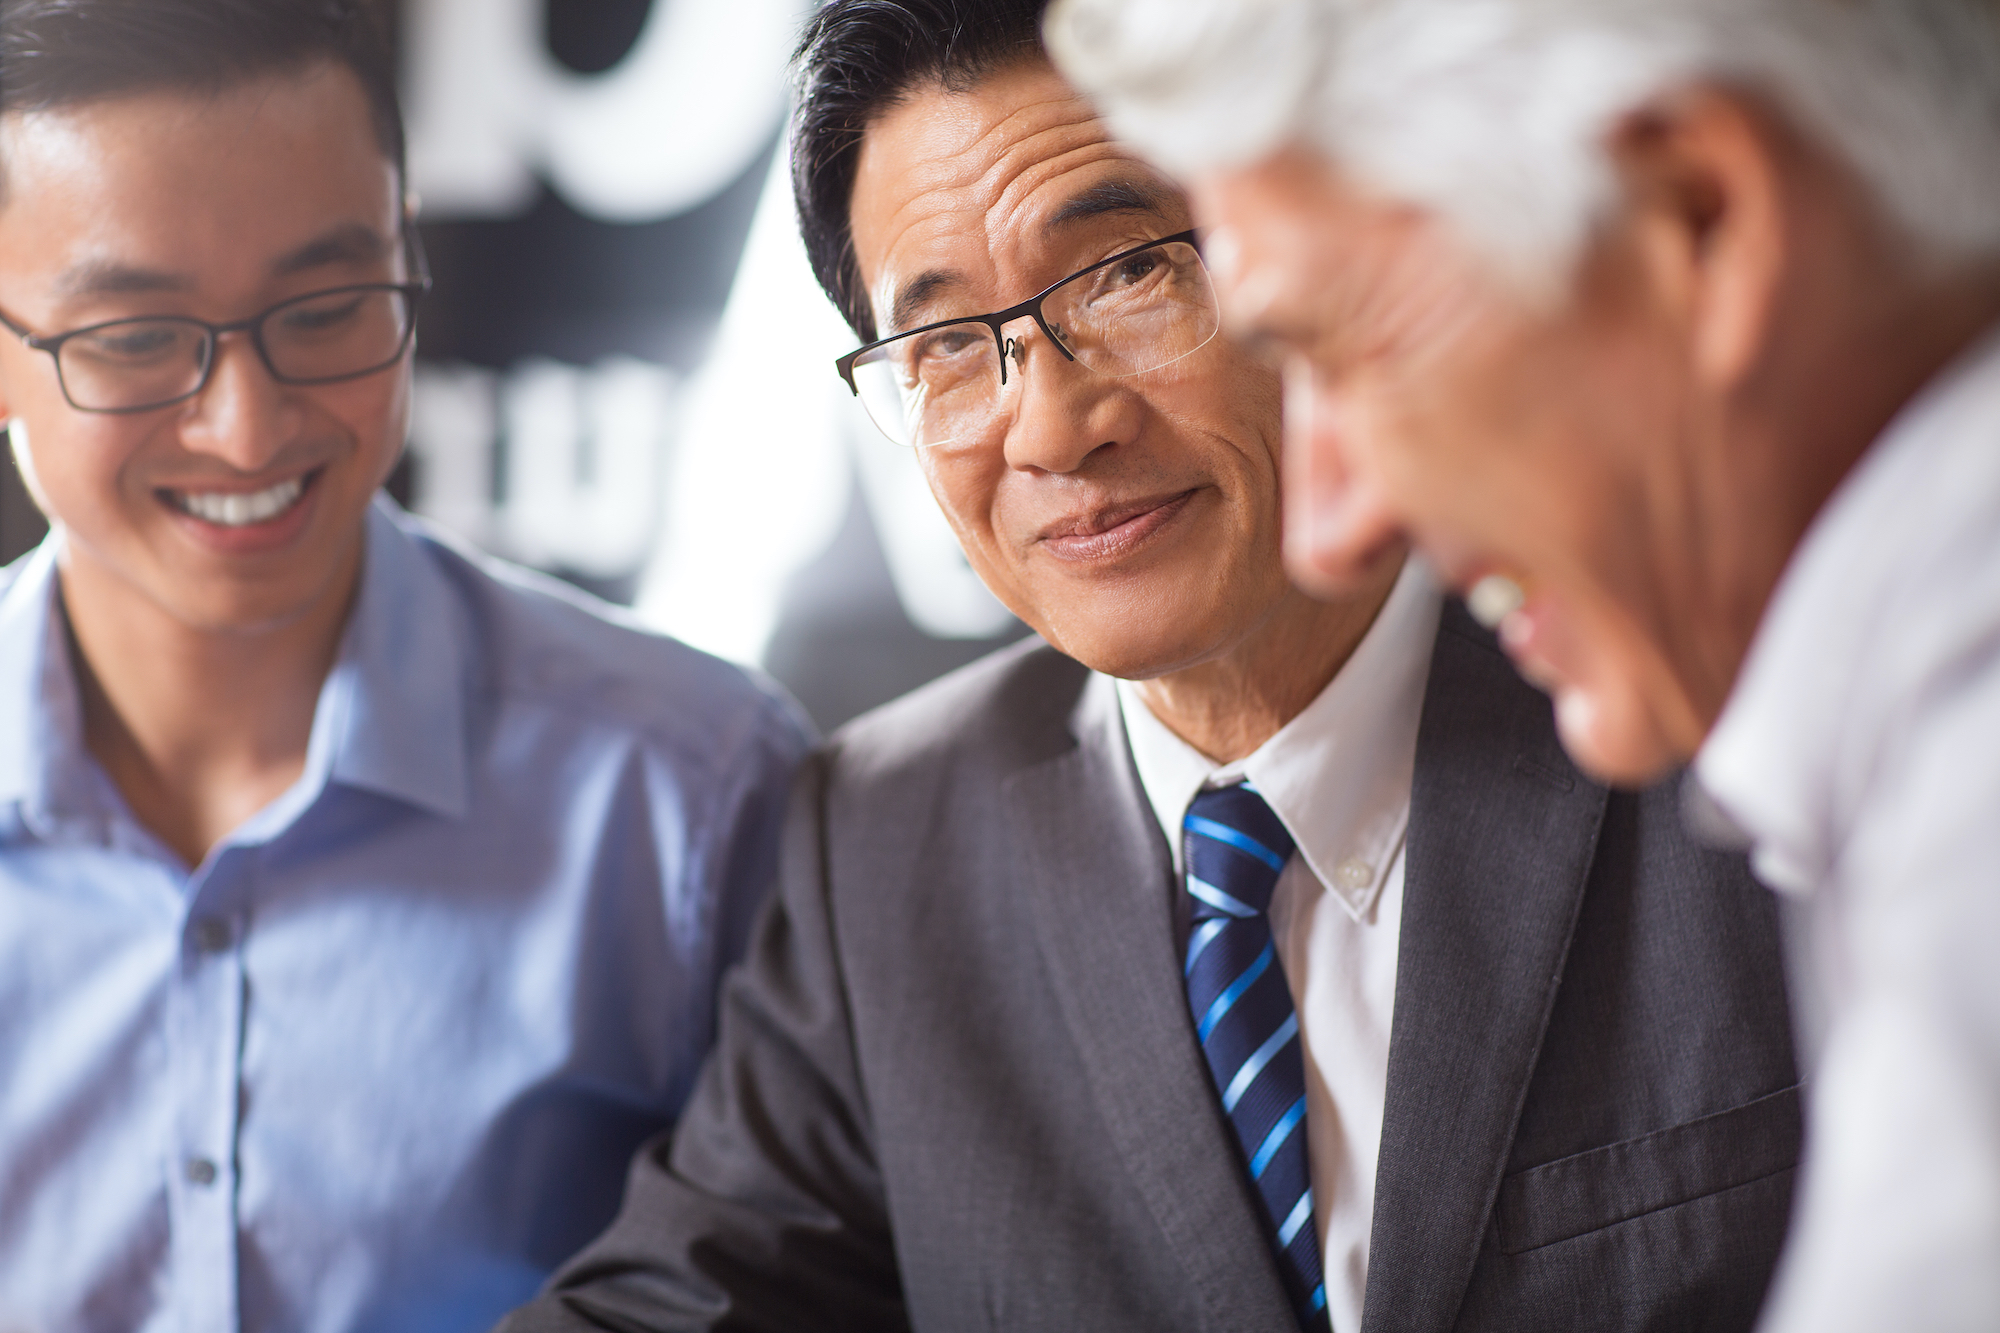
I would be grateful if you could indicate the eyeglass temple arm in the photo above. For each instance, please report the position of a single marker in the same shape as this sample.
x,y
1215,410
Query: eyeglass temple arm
x,y
37,343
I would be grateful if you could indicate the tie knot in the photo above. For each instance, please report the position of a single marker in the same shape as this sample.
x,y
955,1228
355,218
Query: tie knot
x,y
1236,847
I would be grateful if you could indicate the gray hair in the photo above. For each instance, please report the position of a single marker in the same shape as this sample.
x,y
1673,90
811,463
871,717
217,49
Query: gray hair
x,y
1495,113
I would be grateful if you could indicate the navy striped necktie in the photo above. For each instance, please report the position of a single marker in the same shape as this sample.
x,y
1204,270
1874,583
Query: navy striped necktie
x,y
1243,1015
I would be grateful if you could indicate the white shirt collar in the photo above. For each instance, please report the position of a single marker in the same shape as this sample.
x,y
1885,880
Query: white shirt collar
x,y
1337,775
1899,544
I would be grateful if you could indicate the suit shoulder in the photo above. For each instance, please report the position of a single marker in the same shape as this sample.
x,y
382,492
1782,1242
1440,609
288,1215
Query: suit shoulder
x,y
1008,708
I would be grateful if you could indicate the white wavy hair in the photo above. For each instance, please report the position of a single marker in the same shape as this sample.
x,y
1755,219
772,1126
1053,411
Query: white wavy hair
x,y
1495,113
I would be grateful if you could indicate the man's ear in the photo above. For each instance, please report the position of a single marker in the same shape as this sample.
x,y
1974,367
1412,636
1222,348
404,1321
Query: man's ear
x,y
1704,181
24,460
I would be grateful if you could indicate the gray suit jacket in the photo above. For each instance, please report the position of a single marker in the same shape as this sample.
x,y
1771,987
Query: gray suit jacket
x,y
958,1087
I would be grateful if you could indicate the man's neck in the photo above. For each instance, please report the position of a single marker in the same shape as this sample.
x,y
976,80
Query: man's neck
x,y
198,728
1230,705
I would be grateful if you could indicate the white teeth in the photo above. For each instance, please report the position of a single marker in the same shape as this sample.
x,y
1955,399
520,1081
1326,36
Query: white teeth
x,y
240,511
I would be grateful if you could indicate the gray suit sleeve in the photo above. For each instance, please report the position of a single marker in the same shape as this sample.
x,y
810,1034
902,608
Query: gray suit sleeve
x,y
764,1208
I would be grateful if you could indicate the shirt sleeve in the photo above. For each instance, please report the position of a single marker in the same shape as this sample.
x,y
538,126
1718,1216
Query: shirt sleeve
x,y
765,1210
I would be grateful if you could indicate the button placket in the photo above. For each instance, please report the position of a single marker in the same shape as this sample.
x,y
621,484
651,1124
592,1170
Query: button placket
x,y
206,1006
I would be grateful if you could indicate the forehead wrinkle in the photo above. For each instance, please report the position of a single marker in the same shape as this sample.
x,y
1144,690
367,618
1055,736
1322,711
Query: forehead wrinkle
x,y
1005,196
964,163
1039,155
1022,204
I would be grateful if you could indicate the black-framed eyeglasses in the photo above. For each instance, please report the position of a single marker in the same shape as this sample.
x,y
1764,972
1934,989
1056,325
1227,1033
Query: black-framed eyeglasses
x,y
1140,310
323,337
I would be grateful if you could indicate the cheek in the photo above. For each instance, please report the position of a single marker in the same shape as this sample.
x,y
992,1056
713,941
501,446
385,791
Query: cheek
x,y
375,414
78,473
1226,416
966,485
1493,440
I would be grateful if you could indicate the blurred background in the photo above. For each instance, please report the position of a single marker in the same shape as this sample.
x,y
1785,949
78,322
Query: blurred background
x,y
625,373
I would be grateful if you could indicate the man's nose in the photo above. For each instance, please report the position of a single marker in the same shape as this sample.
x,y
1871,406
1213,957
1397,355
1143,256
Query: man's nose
x,y
1063,411
243,416
1338,523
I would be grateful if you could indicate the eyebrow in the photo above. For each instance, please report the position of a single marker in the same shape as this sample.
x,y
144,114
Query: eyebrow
x,y
346,244
349,243
915,296
105,278
1122,196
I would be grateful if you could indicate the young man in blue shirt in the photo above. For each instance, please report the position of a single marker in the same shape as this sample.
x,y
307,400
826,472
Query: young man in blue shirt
x,y
361,902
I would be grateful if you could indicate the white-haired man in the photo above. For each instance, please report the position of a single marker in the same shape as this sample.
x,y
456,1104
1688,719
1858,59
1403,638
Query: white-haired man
x,y
1667,329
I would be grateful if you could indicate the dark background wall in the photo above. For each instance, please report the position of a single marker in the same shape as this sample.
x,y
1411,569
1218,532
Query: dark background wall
x,y
563,348
21,524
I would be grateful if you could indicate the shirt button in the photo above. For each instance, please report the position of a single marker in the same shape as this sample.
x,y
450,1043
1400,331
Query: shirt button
x,y
200,1171
1354,873
212,934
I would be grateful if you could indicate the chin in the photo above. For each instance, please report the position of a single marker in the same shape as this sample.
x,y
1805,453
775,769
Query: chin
x,y
241,607
1110,645
1613,738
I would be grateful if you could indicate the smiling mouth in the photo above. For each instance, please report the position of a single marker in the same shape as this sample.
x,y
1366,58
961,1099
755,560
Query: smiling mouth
x,y
240,509
1112,532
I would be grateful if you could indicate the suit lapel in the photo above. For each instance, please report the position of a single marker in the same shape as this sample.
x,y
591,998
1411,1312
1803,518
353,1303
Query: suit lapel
x,y
1503,831
1100,889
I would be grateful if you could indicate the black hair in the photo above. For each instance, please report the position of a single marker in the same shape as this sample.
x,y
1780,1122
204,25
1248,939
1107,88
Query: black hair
x,y
856,60
57,53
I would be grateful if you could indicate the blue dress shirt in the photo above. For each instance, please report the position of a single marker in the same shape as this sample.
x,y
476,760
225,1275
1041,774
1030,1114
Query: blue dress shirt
x,y
380,1061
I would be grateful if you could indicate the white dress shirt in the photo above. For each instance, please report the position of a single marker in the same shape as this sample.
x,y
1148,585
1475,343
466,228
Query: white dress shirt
x,y
1338,776
1860,751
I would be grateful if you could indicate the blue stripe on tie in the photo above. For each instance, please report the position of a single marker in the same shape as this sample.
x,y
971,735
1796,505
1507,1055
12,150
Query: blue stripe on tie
x,y
1220,901
1234,993
1319,1298
1242,842
1299,1217
1255,1064
1276,1138
1203,936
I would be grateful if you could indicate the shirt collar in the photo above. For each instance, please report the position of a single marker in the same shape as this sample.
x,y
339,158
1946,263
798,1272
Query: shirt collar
x,y
392,715
1778,761
1338,775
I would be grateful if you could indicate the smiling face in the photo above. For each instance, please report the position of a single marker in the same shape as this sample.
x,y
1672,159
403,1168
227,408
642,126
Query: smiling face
x,y
240,508
1424,397
1132,521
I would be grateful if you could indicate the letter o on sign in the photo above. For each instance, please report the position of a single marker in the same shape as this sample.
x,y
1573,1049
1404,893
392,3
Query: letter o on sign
x,y
683,114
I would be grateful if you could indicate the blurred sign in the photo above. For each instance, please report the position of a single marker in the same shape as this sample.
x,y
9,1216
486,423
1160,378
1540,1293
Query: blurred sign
x,y
586,171
579,454
493,113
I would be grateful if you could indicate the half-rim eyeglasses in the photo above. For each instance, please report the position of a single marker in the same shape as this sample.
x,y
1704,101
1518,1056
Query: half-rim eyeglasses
x,y
1140,310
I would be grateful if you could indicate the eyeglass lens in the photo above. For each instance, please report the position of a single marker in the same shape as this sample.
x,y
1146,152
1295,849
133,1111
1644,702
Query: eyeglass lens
x,y
138,363
1142,313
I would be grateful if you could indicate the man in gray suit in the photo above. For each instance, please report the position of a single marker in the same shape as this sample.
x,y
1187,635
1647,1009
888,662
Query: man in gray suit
x,y
1227,960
